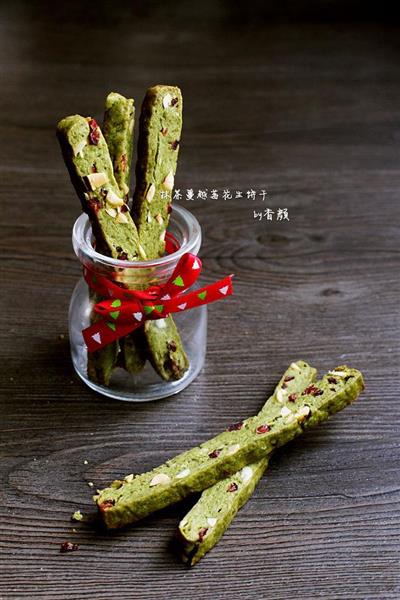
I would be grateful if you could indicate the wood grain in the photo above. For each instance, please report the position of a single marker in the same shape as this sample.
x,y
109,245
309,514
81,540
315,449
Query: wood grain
x,y
308,111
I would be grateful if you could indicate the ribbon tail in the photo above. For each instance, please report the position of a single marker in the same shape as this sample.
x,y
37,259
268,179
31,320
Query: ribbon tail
x,y
104,332
210,293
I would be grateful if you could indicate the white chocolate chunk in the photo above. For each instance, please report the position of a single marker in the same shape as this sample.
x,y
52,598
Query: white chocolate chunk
x,y
295,367
246,474
160,478
183,474
129,478
160,323
211,521
338,373
159,219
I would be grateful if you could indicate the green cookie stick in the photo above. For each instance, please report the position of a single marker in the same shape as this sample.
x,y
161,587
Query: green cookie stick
x,y
158,147
119,120
88,161
118,124
159,136
204,525
228,452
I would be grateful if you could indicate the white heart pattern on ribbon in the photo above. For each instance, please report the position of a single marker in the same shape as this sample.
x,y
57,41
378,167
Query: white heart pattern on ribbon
x,y
195,265
97,338
182,306
224,290
166,297
138,316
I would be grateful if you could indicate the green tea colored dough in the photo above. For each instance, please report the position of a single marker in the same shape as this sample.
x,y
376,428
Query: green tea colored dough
x,y
165,348
118,124
119,118
86,154
159,135
133,353
210,517
101,363
158,147
228,452
90,166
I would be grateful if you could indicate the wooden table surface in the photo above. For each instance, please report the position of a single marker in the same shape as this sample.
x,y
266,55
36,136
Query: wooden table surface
x,y
308,111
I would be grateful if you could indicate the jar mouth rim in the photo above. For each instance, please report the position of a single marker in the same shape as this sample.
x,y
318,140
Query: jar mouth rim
x,y
82,241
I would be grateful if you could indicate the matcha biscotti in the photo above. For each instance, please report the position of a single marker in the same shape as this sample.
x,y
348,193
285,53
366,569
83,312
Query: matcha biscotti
x,y
118,125
119,120
88,160
89,163
203,526
158,147
227,453
159,136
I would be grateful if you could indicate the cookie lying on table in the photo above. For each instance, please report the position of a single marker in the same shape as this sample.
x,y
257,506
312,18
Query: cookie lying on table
x,y
197,469
210,517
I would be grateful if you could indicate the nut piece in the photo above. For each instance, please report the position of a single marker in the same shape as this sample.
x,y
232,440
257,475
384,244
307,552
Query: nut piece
x,y
303,412
149,218
338,373
142,252
112,212
95,180
168,182
150,192
280,395
159,219
113,199
79,147
167,100
232,449
121,218
295,367
162,236
246,474
160,478
183,474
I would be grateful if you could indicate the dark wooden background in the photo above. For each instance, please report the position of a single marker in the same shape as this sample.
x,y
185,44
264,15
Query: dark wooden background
x,y
310,111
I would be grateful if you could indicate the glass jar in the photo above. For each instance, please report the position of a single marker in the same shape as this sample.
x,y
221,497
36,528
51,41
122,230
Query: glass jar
x,y
192,324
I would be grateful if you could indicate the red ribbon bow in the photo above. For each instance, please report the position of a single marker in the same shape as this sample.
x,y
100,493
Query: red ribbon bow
x,y
128,309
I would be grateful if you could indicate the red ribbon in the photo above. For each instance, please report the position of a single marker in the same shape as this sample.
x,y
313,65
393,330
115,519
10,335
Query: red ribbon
x,y
126,310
